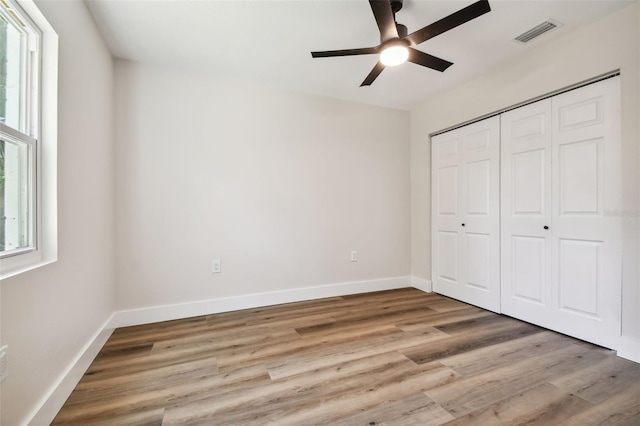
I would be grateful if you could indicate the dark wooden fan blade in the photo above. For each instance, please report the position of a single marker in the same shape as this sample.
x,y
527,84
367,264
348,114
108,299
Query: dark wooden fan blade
x,y
375,72
384,18
445,24
346,52
426,60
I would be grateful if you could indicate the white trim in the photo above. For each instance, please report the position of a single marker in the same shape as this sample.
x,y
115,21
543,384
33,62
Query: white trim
x,y
51,403
422,284
235,303
629,348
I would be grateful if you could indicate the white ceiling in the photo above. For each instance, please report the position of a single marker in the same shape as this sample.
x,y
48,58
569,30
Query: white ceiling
x,y
269,41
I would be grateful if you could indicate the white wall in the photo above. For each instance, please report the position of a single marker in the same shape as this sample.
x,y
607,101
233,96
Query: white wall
x,y
280,186
51,313
612,42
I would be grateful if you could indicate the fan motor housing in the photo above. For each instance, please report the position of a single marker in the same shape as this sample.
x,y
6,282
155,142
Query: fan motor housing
x,y
402,30
396,5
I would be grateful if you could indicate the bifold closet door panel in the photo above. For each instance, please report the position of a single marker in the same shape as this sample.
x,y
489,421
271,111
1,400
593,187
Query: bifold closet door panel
x,y
586,184
465,212
526,212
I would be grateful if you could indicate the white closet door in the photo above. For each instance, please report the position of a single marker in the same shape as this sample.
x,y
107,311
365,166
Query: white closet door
x,y
526,212
465,212
586,179
561,169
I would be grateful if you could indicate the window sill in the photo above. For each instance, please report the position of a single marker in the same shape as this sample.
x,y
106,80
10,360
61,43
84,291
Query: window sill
x,y
16,265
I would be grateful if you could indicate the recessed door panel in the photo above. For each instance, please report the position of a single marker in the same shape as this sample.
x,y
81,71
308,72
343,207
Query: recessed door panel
x,y
448,255
580,276
448,190
580,114
448,148
528,185
478,189
478,140
529,126
580,177
528,268
478,257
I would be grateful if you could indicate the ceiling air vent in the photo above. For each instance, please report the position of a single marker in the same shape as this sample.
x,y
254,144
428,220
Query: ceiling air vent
x,y
538,30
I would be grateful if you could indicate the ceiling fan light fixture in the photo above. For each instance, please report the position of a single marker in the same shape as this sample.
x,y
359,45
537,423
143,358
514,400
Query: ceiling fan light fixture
x,y
394,55
395,45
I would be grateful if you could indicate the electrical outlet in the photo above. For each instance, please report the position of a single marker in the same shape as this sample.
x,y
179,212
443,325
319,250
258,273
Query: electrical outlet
x,y
3,363
354,255
215,266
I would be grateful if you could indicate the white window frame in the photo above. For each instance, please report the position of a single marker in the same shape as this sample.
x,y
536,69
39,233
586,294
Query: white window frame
x,y
41,125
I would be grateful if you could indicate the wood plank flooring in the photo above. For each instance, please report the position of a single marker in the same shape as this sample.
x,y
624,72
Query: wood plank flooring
x,y
400,357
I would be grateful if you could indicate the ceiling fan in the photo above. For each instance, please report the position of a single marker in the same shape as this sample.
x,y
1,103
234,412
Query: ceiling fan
x,y
396,46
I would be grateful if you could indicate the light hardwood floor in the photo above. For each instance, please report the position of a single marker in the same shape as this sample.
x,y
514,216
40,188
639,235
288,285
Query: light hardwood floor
x,y
400,357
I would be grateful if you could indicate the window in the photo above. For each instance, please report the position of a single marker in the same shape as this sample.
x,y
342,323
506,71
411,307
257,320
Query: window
x,y
27,154
19,62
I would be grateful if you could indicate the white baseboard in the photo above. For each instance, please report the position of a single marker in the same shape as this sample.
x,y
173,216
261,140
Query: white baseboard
x,y
48,407
629,348
421,284
235,303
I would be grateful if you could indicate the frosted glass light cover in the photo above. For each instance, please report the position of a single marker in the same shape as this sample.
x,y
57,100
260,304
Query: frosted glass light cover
x,y
394,55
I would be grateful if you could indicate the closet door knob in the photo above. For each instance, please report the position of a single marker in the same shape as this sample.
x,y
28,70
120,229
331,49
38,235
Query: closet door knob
x,y
546,227
463,224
